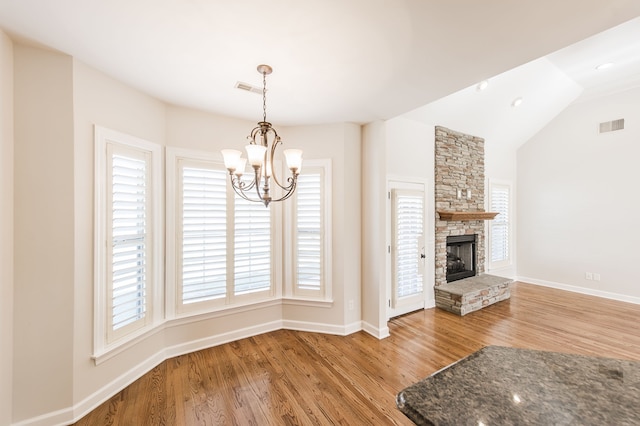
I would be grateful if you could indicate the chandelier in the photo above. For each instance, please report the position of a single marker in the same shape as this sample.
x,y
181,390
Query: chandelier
x,y
261,150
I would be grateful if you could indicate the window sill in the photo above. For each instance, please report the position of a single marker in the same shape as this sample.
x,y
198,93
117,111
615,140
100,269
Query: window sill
x,y
125,343
304,301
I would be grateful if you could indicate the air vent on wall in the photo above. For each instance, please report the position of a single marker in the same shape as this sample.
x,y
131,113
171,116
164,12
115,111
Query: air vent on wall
x,y
249,88
612,126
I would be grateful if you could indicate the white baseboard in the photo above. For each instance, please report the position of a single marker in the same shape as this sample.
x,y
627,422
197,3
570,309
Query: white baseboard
x,y
313,327
378,333
354,327
220,339
581,290
55,418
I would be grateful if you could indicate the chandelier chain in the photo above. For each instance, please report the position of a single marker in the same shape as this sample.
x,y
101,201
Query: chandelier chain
x,y
264,96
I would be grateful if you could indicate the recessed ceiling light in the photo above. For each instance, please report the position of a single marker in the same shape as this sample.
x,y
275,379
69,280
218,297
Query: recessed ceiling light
x,y
516,102
482,85
604,66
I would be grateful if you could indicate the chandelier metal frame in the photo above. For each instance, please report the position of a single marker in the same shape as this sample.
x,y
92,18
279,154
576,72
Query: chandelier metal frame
x,y
261,151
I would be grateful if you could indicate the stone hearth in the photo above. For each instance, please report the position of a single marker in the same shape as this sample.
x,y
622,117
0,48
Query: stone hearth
x,y
471,294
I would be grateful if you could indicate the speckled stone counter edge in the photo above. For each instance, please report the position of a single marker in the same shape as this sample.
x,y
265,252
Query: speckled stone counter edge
x,y
553,388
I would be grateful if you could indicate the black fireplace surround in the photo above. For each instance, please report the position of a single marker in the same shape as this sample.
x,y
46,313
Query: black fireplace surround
x,y
461,257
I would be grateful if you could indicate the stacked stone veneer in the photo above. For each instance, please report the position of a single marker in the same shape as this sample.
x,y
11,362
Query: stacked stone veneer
x,y
459,164
471,294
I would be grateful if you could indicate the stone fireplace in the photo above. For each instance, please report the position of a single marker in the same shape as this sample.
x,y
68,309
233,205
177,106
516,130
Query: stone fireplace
x,y
459,187
461,286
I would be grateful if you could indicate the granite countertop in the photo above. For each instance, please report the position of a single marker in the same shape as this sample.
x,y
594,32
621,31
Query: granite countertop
x,y
509,386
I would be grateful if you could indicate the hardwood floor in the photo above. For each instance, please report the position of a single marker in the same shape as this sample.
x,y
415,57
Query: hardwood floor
x,y
297,378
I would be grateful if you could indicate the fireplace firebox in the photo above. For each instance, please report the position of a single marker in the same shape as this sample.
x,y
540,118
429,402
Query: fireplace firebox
x,y
461,257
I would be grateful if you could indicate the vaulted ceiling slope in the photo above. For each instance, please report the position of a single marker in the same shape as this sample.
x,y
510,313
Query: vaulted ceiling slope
x,y
545,86
334,60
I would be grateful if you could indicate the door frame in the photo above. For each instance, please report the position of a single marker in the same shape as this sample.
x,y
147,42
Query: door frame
x,y
403,182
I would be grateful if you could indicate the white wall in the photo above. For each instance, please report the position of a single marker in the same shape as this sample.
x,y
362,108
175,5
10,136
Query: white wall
x,y
6,229
44,232
350,211
340,143
374,184
499,161
400,148
578,200
98,99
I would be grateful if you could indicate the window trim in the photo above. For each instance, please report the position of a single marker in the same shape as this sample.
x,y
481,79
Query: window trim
x,y
509,260
396,193
105,340
325,293
174,306
410,183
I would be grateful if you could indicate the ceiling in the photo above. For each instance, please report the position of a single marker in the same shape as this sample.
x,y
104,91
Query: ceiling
x,y
546,87
341,60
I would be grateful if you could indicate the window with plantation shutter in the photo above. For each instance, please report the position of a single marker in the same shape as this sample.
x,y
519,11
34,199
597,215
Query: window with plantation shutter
x,y
406,246
309,232
310,207
499,227
129,238
220,246
252,247
408,243
128,274
203,243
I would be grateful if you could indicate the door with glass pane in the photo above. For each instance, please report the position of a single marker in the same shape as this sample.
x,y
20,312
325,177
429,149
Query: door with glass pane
x,y
407,251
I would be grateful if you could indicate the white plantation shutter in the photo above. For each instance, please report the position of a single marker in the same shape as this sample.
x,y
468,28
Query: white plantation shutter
x,y
499,227
309,232
128,270
309,271
204,235
225,248
252,247
129,235
220,245
408,242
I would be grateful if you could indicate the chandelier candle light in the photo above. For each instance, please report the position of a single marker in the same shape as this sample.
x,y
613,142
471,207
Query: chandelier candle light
x,y
261,150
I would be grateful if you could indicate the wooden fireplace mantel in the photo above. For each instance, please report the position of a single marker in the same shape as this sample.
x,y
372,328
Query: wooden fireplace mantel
x,y
466,215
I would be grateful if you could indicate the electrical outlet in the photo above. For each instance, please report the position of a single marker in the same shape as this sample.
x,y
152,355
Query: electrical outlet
x,y
588,275
596,277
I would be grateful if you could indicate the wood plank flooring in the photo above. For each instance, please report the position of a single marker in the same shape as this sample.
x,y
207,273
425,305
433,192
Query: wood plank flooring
x,y
297,378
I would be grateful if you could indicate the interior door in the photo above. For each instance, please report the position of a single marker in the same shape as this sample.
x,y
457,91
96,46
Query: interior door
x,y
407,250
